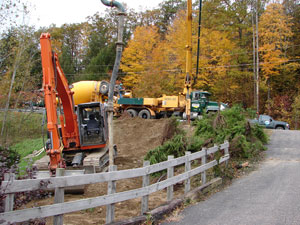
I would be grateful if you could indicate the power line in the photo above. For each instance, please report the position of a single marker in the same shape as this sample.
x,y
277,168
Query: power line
x,y
181,71
230,54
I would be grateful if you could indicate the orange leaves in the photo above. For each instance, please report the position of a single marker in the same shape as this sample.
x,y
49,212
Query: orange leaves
x,y
156,66
275,34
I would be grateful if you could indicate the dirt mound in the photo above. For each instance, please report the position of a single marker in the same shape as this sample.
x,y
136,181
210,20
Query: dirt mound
x,y
134,137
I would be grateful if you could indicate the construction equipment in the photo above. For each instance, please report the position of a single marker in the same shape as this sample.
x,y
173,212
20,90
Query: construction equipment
x,y
166,106
78,136
190,104
96,91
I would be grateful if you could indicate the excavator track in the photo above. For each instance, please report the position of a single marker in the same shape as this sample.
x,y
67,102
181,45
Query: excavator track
x,y
95,161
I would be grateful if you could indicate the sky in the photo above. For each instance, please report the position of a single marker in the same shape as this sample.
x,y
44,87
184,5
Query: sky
x,y
58,12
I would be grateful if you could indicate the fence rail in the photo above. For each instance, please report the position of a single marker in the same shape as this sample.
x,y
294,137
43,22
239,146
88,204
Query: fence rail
x,y
11,186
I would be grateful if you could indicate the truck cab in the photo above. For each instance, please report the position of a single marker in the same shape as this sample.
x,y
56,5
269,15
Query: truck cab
x,y
200,104
199,100
92,123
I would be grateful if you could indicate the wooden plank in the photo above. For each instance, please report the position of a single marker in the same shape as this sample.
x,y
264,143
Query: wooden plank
x,y
224,158
170,174
212,150
111,189
9,199
68,181
166,164
146,182
68,207
187,182
196,155
59,197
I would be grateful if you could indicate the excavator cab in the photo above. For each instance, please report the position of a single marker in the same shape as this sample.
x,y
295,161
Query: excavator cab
x,y
92,123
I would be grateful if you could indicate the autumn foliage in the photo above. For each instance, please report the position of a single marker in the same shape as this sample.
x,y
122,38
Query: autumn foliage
x,y
154,58
154,64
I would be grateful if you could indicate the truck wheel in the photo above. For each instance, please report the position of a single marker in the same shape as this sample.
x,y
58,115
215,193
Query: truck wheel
x,y
104,87
145,114
279,128
132,112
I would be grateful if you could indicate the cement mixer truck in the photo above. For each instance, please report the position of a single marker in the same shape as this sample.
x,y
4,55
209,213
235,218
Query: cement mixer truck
x,y
96,91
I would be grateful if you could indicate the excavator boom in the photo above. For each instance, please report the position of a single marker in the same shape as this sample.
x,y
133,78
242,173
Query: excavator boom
x,y
55,85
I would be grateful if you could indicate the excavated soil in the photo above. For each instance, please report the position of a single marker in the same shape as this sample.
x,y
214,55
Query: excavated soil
x,y
134,138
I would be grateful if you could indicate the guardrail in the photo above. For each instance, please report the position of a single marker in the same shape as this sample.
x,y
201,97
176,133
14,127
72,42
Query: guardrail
x,y
11,186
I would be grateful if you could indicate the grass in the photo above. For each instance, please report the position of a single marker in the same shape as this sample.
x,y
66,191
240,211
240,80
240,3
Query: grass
x,y
23,134
27,147
21,126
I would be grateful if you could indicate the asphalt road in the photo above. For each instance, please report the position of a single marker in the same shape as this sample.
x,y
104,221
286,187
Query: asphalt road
x,y
268,196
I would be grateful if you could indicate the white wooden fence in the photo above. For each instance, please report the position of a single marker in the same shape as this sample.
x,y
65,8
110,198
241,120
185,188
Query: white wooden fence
x,y
11,186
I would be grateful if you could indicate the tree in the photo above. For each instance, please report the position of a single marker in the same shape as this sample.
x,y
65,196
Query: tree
x,y
275,34
16,75
9,12
137,56
168,10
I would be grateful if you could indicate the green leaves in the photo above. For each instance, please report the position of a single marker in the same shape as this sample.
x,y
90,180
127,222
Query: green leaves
x,y
245,140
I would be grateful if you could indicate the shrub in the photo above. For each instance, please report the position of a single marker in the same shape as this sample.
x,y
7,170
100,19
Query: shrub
x,y
176,146
231,124
9,160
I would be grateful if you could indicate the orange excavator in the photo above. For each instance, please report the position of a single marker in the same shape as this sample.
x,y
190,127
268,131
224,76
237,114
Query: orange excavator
x,y
79,132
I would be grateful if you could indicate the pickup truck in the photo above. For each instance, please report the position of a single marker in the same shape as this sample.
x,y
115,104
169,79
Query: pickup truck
x,y
269,123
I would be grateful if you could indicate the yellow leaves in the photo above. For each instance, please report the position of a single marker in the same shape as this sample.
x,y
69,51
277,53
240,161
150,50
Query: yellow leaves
x,y
156,66
275,26
138,54
274,33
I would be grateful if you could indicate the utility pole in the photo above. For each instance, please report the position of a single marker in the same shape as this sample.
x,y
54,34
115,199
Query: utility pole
x,y
254,52
257,59
188,60
198,44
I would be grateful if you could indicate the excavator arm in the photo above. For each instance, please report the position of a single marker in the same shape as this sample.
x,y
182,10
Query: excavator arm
x,y
56,86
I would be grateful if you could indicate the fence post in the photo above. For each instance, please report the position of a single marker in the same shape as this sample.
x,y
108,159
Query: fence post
x,y
9,199
187,182
111,189
146,182
203,161
170,174
226,152
59,197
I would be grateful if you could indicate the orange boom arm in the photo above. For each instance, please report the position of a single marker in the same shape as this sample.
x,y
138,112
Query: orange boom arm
x,y
55,85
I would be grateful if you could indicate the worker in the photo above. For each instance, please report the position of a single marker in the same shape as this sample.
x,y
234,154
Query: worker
x,y
121,90
92,123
